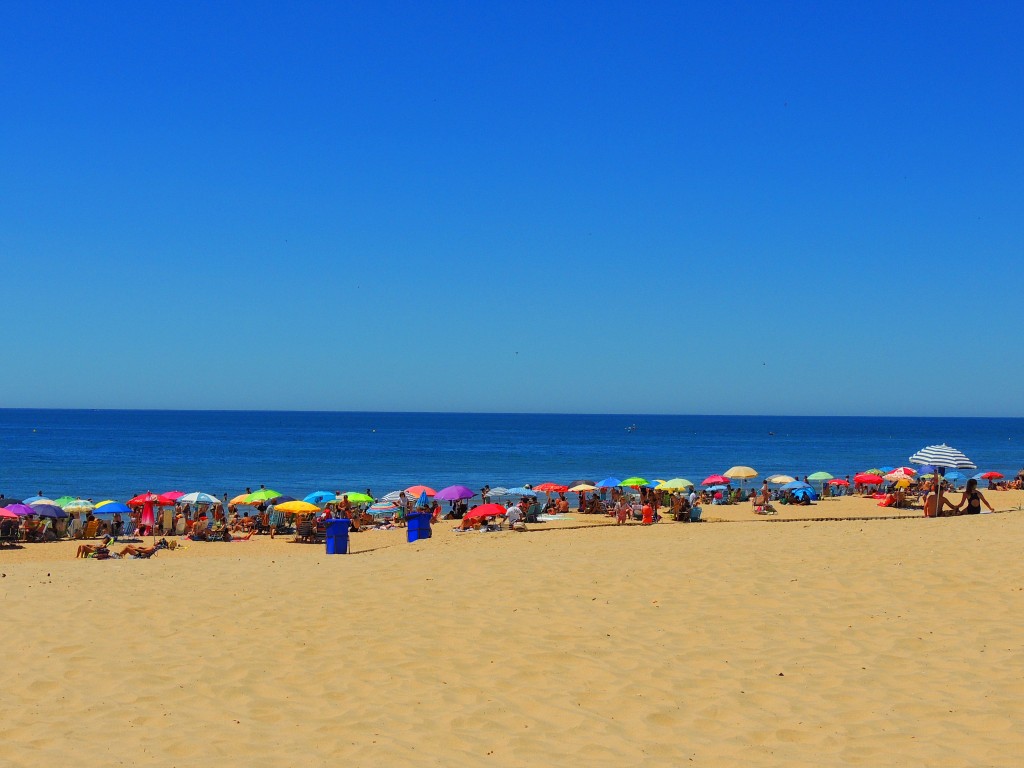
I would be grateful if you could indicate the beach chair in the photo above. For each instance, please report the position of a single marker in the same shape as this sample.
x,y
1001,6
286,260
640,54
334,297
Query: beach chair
x,y
179,529
695,514
304,531
276,520
90,529
127,529
75,529
167,520
9,532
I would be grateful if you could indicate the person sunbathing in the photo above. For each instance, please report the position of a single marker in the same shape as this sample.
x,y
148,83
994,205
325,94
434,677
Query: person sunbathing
x,y
86,550
139,551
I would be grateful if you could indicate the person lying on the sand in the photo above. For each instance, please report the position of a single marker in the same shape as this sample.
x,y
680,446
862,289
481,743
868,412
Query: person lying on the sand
x,y
139,551
85,550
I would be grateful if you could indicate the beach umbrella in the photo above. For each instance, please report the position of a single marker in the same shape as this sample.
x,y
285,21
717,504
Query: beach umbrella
x,y
297,507
4,501
988,476
740,473
383,508
583,488
357,498
903,482
264,494
393,496
170,497
877,472
521,491
609,482
282,499
820,476
80,506
65,500
499,491
867,478
585,482
845,483
4,512
105,502
416,490
908,471
486,510
941,457
40,500
454,493
142,498
423,501
319,497
239,500
715,480
887,470
21,510
48,510
780,479
113,508
633,482
796,485
198,497
719,488
551,488
675,484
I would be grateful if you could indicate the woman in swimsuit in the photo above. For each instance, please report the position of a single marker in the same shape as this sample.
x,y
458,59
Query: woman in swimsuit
x,y
973,500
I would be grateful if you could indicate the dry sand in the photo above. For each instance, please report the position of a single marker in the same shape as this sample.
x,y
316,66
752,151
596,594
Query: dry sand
x,y
876,643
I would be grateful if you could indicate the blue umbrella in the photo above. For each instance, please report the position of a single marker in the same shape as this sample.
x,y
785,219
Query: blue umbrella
x,y
113,508
609,482
796,485
954,475
49,510
520,492
718,488
319,498
423,501
887,470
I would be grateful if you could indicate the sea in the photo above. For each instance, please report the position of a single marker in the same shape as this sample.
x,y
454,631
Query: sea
x,y
116,454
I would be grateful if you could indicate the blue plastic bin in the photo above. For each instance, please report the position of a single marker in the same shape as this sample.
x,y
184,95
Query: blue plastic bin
x,y
337,536
418,526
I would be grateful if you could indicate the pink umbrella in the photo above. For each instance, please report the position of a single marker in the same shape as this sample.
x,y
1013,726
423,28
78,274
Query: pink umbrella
x,y
4,512
20,510
716,480
866,478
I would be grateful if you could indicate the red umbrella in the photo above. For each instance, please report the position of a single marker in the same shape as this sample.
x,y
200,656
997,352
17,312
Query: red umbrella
x,y
7,513
837,481
166,499
486,510
551,488
992,476
909,472
142,498
416,490
716,480
866,478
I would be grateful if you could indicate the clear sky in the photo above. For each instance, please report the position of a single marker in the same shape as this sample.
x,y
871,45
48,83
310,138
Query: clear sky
x,y
788,208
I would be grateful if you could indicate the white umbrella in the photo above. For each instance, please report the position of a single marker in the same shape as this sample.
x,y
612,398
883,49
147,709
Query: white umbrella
x,y
197,497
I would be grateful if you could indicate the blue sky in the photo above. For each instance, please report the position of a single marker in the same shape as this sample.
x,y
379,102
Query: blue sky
x,y
795,208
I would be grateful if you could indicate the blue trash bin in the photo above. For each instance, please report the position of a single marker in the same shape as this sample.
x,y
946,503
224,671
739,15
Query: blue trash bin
x,y
337,536
418,526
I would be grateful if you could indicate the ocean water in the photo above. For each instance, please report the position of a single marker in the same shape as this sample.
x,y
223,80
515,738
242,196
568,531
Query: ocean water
x,y
116,454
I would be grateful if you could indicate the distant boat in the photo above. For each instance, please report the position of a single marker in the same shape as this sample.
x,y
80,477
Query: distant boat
x,y
631,428
771,434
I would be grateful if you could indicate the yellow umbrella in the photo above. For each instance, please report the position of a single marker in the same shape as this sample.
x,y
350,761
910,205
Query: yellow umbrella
x,y
781,479
582,487
105,501
741,473
903,482
239,499
297,507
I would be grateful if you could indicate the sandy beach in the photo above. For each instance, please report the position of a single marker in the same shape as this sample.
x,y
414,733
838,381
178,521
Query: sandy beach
x,y
861,642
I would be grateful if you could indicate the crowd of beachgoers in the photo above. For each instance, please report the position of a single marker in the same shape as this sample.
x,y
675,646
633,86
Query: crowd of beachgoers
x,y
205,517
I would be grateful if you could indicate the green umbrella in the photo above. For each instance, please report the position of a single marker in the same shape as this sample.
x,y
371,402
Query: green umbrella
x,y
357,498
820,476
63,500
261,495
633,482
675,484
878,472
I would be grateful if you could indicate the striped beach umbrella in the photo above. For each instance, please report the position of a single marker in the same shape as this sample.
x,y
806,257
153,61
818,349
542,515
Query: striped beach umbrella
x,y
942,456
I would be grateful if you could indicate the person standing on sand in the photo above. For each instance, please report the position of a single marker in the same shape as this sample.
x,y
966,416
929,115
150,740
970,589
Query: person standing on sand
x,y
622,511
